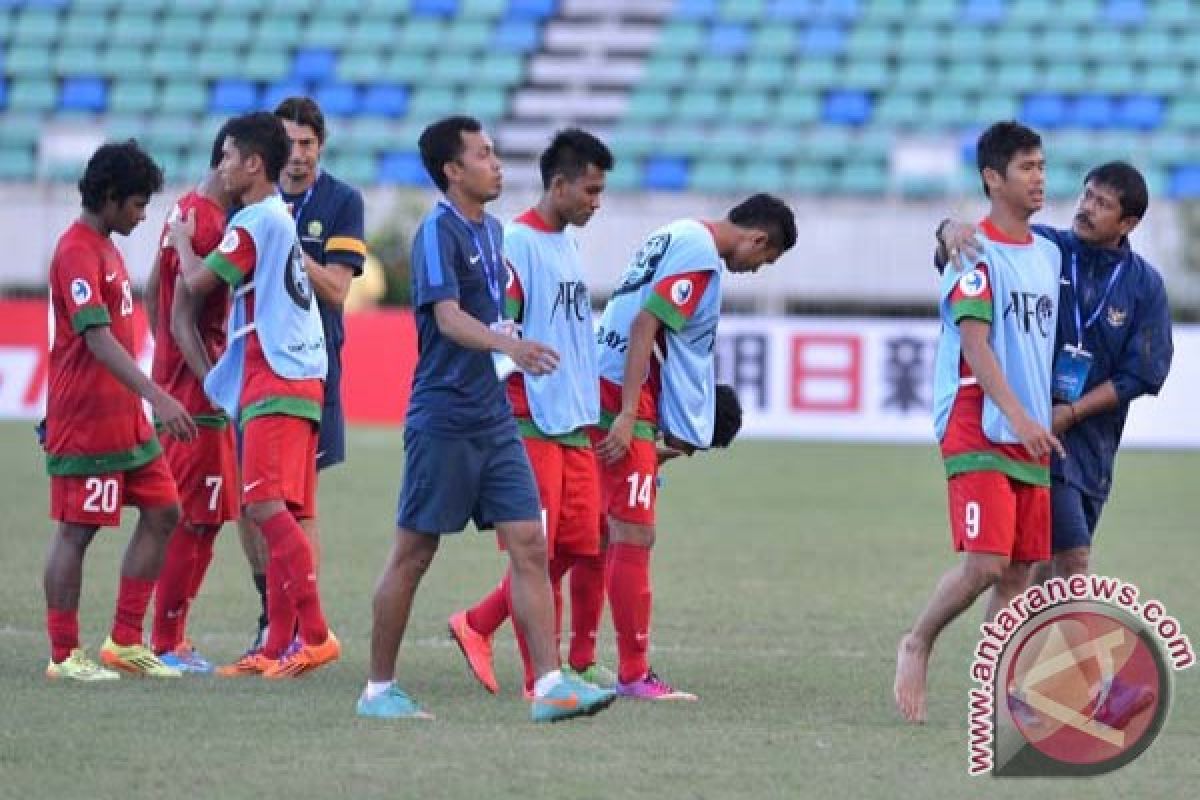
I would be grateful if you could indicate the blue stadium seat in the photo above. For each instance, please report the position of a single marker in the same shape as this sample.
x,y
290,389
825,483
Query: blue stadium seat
x,y
434,8
824,40
314,65
1142,111
384,100
983,12
665,173
845,10
1185,181
791,10
1124,13
516,36
52,4
728,39
404,169
1044,110
695,9
275,93
532,9
337,99
1092,111
231,96
846,107
83,93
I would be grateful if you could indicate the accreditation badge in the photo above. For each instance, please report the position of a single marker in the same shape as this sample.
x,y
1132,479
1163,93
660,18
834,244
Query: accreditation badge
x,y
1071,368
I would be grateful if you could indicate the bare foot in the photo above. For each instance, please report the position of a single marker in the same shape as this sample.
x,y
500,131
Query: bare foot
x,y
912,663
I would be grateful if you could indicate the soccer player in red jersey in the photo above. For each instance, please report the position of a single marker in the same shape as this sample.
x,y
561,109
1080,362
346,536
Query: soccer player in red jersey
x,y
270,379
205,469
101,451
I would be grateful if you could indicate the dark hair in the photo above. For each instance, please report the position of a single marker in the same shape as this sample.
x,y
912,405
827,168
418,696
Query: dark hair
x,y
727,419
999,143
769,214
570,154
261,133
118,170
218,148
303,111
442,143
1124,179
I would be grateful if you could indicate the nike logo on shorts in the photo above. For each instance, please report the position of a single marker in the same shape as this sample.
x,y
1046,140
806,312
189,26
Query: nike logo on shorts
x,y
250,486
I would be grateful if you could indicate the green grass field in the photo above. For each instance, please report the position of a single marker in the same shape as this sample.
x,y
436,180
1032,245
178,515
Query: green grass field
x,y
784,575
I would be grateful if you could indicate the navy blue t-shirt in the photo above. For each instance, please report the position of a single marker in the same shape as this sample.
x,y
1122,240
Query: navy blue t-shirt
x,y
455,390
1130,343
329,220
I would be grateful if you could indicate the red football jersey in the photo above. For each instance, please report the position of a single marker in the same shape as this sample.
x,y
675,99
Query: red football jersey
x,y
93,423
170,370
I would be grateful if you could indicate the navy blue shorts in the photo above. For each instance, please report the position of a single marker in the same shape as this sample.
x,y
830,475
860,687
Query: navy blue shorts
x,y
450,480
1075,516
331,440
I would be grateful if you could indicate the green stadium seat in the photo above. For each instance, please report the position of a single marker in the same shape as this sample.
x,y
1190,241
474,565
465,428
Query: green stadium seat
x,y
327,29
1032,11
742,10
626,174
265,65
452,68
218,62
370,133
26,60
862,179
1173,12
119,61
967,45
183,97
1170,149
1015,76
466,34
132,96
20,130
1165,79
1064,76
195,5
358,169
665,72
17,163
233,33
878,11
404,68
68,59
360,67
698,106
485,102
993,106
1059,45
815,73
872,146
680,38
133,29
1114,78
762,175
180,30
32,94
947,110
371,33
170,133
920,41
277,32
798,107
773,39
684,140
36,26
633,142
869,41
502,69
713,176
867,75
99,6
1151,44
728,141
917,76
898,109
1061,181
944,11
714,73
811,178
1070,11
85,28
1105,45
428,103
829,144
1002,44
170,63
968,76
762,73
1183,113
749,106
482,9
421,34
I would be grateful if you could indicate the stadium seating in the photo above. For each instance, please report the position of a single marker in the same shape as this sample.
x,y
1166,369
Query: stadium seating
x,y
814,85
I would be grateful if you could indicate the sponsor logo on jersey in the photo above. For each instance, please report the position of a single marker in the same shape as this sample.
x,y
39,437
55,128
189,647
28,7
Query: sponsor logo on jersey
x,y
974,283
81,291
681,292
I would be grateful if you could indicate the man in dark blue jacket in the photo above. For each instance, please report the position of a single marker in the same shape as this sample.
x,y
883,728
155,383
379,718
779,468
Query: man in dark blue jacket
x,y
1113,345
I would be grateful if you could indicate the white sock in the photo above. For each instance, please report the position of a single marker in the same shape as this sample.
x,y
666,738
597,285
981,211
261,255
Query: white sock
x,y
544,684
376,688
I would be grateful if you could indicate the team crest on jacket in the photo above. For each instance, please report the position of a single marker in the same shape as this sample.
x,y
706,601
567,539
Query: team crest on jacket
x,y
1116,317
315,228
974,283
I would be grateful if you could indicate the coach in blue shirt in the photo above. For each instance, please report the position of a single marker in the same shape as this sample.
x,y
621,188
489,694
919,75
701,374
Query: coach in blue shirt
x,y
463,456
1113,345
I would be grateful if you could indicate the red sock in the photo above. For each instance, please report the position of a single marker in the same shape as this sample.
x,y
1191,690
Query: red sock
x,y
133,597
171,589
486,617
555,568
63,627
204,557
629,599
281,615
291,553
587,606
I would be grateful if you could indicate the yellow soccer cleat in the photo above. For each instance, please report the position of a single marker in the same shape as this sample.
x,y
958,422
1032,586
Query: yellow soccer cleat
x,y
136,659
78,667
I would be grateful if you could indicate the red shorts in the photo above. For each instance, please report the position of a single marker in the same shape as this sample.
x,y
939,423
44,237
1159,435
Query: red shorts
x,y
205,471
993,513
568,485
97,499
279,462
629,488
